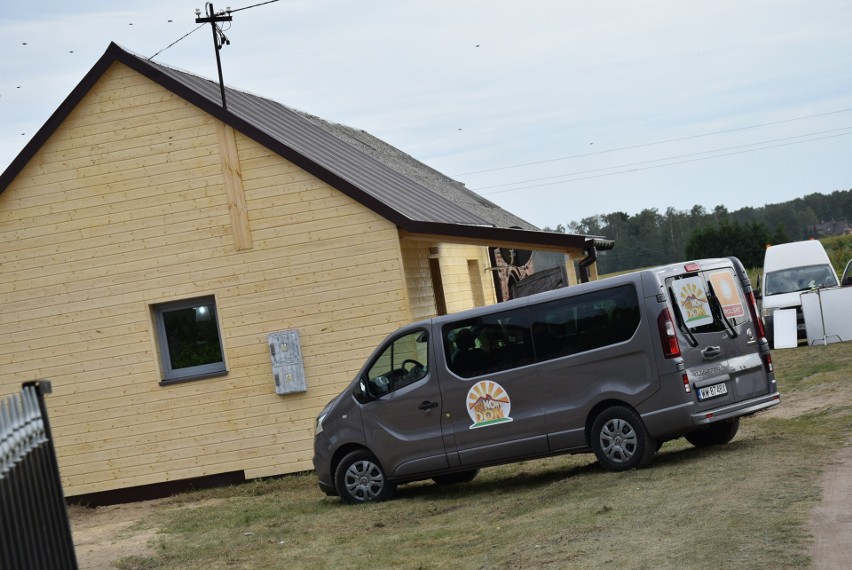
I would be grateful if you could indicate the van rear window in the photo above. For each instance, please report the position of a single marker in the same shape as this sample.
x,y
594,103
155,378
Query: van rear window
x,y
705,299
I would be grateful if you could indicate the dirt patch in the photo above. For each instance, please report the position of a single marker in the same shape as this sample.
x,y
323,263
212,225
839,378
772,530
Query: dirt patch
x,y
813,399
101,535
831,522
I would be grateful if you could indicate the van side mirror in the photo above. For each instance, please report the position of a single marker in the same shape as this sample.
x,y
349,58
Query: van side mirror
x,y
362,391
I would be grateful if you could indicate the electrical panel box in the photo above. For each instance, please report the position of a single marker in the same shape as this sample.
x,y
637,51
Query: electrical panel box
x,y
288,370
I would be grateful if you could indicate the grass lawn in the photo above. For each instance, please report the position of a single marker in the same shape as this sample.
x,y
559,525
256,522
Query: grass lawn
x,y
743,505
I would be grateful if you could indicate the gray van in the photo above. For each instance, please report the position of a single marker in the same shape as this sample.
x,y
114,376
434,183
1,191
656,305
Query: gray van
x,y
615,367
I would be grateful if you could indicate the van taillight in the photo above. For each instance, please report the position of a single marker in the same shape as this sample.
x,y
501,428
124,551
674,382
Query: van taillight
x,y
758,322
668,337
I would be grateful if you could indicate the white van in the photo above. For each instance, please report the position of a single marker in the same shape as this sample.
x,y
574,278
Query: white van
x,y
615,367
790,269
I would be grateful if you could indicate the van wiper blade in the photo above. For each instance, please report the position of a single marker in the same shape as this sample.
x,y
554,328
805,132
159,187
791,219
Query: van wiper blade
x,y
680,324
720,312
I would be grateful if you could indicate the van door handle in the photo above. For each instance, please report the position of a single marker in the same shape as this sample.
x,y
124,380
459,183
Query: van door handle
x,y
427,405
711,352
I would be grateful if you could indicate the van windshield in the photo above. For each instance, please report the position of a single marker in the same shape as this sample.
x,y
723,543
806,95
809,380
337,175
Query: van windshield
x,y
799,279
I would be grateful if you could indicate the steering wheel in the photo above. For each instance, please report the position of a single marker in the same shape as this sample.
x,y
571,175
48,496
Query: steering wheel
x,y
417,370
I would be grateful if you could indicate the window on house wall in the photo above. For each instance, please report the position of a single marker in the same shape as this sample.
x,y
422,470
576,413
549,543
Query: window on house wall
x,y
189,340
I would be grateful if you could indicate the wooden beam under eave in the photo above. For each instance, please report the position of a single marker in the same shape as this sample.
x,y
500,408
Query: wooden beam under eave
x,y
437,238
233,182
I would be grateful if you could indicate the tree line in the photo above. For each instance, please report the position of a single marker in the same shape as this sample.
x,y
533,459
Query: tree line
x,y
654,238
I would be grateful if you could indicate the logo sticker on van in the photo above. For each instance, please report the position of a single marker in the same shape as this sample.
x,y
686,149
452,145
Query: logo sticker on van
x,y
692,301
729,296
488,404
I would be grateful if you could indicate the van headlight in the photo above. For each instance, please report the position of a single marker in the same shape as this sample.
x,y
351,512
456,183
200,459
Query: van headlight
x,y
320,419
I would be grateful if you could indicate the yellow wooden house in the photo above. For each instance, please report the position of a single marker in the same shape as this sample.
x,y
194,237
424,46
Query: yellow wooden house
x,y
198,281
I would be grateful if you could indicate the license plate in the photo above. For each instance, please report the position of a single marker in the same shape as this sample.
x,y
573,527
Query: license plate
x,y
712,391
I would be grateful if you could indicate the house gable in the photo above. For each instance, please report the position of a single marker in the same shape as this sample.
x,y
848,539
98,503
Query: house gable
x,y
407,193
123,207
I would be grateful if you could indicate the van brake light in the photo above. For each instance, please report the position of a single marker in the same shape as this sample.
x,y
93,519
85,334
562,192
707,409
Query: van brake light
x,y
758,322
668,337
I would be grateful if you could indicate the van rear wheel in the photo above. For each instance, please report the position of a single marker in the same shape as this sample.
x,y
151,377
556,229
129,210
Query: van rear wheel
x,y
359,478
620,440
718,433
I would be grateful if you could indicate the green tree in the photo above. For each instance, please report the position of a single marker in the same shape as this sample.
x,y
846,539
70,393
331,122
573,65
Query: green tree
x,y
744,241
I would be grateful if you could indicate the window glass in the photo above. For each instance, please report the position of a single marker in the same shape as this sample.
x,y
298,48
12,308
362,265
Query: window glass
x,y
798,279
488,344
189,340
704,300
584,322
403,362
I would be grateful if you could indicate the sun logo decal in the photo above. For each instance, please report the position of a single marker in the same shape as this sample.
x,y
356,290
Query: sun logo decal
x,y
488,404
729,297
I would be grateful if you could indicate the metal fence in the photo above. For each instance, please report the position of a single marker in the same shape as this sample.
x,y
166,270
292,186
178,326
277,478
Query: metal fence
x,y
34,527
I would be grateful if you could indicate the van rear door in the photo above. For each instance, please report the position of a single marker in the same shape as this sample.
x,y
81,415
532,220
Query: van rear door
x,y
718,339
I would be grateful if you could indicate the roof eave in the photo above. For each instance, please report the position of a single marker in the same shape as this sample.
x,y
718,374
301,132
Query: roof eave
x,y
501,237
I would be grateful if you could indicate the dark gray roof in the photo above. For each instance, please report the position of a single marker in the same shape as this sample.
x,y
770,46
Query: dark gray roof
x,y
407,192
423,174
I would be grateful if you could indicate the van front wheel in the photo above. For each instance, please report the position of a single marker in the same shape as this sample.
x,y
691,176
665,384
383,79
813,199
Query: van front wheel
x,y
620,440
359,478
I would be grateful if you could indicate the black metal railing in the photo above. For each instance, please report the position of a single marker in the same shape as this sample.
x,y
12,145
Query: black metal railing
x,y
34,527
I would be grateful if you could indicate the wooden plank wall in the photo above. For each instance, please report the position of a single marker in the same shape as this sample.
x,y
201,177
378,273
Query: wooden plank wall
x,y
461,288
456,272
125,207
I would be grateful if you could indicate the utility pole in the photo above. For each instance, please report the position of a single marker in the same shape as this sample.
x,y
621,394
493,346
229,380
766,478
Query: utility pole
x,y
219,38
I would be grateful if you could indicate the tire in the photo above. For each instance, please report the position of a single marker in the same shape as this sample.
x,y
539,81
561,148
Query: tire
x,y
359,478
718,433
620,440
455,478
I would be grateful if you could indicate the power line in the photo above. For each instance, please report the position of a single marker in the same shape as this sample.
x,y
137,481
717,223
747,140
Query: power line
x,y
717,150
186,35
662,165
545,161
253,6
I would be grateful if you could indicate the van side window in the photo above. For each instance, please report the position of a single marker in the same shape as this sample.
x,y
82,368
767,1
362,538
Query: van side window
x,y
403,362
584,322
488,344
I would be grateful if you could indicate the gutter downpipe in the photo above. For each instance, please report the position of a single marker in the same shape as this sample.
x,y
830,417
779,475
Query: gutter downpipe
x,y
592,247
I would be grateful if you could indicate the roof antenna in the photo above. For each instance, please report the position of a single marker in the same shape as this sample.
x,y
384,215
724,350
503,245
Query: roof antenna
x,y
219,38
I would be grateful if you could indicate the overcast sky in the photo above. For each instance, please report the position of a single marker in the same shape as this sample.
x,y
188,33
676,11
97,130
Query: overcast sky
x,y
555,110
